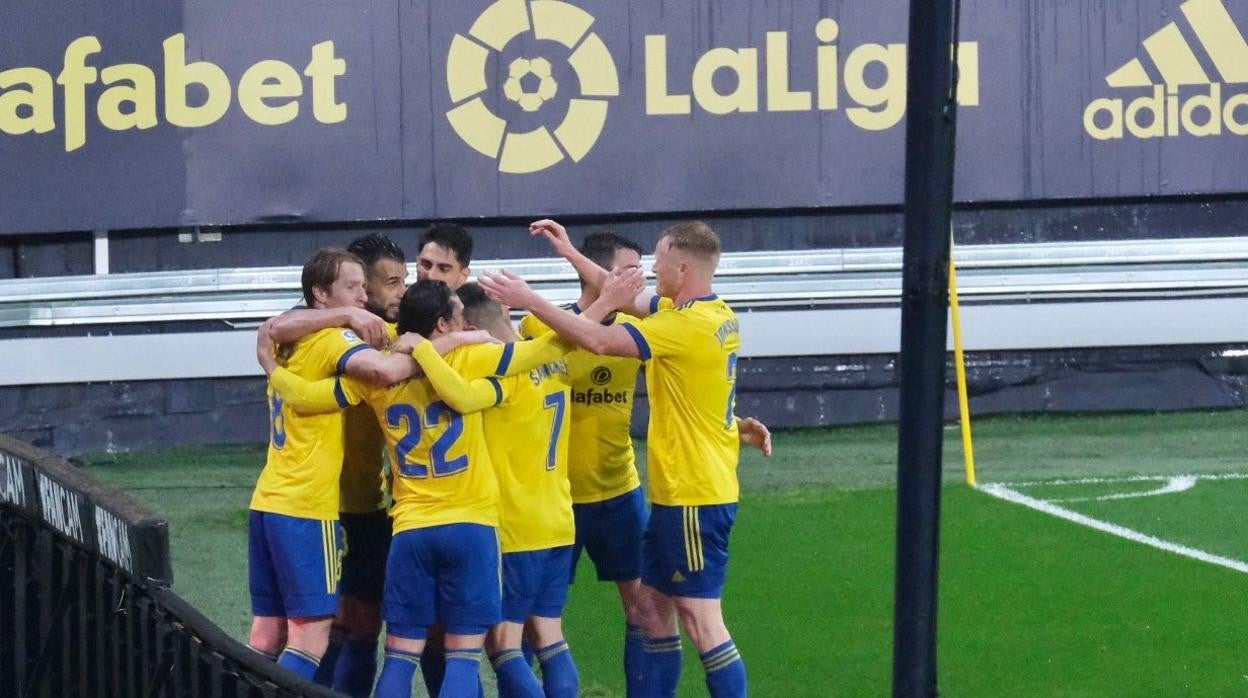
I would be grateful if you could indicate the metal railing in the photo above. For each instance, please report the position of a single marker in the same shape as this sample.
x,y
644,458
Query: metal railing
x,y
845,277
85,604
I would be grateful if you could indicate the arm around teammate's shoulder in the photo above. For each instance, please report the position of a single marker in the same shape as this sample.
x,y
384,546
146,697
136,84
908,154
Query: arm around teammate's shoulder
x,y
375,368
295,324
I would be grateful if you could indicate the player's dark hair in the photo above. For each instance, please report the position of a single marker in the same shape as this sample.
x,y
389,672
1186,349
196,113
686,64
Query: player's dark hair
x,y
322,270
375,246
451,236
694,237
602,246
424,303
479,309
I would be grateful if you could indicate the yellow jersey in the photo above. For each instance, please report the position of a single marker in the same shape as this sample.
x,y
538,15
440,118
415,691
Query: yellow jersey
x,y
300,476
421,502
691,375
601,462
527,438
362,485
441,469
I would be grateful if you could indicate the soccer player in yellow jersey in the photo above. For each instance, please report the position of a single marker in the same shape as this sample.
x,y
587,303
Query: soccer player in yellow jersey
x,y
427,306
608,503
350,662
690,341
527,436
295,540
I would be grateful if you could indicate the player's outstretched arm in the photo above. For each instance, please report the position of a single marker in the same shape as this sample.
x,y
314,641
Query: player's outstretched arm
x,y
641,302
511,290
557,236
754,433
313,397
463,396
295,324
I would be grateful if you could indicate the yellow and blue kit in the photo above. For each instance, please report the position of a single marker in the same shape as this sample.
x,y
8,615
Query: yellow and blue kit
x,y
607,503
691,371
436,485
294,538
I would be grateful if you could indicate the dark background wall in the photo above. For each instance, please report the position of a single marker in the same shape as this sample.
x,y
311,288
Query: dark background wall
x,y
24,256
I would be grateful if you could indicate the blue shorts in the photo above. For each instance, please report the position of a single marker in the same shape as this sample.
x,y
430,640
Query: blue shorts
x,y
447,573
610,531
368,545
685,550
535,583
293,565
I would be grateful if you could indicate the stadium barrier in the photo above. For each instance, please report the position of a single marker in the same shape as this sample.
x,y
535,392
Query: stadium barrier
x,y
86,607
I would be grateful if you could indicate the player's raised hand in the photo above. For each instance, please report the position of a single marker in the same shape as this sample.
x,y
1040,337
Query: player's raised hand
x,y
508,289
555,234
369,327
622,287
754,433
264,349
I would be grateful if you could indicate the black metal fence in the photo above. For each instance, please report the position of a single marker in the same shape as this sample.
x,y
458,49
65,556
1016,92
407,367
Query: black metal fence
x,y
86,607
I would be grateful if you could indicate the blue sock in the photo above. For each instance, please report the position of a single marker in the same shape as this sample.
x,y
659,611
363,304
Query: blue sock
x,y
463,675
530,655
662,668
634,656
397,673
559,677
515,678
299,662
325,672
357,668
433,664
725,672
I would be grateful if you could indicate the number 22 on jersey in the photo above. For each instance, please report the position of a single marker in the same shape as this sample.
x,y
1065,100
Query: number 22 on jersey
x,y
407,417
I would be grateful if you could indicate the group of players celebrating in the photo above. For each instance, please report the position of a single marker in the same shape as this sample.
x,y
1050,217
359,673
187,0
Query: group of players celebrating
x,y
508,454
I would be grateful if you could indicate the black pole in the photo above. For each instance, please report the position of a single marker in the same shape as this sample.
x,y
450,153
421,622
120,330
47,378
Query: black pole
x,y
924,314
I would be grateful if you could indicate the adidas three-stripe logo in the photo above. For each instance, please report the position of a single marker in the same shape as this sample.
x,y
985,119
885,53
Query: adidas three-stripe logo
x,y
1172,54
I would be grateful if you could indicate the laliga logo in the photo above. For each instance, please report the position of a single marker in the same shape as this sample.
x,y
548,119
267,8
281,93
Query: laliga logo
x,y
530,84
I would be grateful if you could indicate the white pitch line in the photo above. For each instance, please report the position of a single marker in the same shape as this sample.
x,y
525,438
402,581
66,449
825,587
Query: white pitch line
x,y
1130,478
1009,495
1181,483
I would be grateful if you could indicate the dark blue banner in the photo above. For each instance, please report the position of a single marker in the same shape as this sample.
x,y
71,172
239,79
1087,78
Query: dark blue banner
x,y
153,114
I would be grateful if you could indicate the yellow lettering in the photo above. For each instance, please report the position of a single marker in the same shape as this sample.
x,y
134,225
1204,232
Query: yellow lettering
x,y
74,77
38,98
1172,110
744,97
1153,106
270,80
1239,128
658,101
779,98
323,69
826,58
1111,106
891,95
1212,104
179,75
968,74
140,92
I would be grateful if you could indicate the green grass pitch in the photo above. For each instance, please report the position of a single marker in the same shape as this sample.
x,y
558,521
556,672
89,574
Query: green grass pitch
x,y
1030,604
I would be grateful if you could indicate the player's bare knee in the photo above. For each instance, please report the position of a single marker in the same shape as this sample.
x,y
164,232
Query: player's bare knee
x,y
405,644
545,631
704,622
268,634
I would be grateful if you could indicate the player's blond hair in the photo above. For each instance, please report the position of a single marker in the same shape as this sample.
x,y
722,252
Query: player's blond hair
x,y
695,238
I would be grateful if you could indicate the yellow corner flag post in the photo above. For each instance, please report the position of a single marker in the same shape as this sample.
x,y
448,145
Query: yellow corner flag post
x,y
959,362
